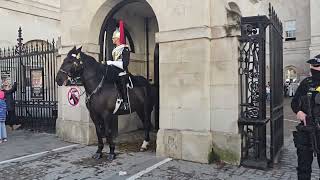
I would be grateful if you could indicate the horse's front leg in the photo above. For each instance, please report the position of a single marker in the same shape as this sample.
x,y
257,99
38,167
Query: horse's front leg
x,y
99,131
109,124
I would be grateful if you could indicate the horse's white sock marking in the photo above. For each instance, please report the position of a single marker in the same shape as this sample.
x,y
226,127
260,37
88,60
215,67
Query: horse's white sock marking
x,y
145,144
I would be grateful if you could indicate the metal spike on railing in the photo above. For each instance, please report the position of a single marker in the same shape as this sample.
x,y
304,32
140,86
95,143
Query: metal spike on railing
x,y
9,51
20,39
37,46
53,44
26,48
48,45
32,48
269,9
42,43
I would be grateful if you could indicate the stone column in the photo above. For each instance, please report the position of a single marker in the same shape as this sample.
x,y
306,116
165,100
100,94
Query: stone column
x,y
184,94
184,63
73,123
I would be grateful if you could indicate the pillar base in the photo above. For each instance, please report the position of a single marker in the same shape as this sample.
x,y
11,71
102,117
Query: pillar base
x,y
76,132
199,146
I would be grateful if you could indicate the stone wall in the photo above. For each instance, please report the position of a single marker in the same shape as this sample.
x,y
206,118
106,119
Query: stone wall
x,y
39,20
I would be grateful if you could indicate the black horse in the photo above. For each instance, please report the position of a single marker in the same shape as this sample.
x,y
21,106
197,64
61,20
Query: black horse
x,y
101,94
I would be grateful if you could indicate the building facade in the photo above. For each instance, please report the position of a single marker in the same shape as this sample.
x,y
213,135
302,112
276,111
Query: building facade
x,y
198,68
301,35
39,20
189,47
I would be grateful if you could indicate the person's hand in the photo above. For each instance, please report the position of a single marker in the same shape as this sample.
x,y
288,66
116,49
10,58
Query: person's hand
x,y
302,117
109,63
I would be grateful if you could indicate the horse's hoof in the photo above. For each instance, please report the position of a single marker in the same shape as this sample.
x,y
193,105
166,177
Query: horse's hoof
x,y
111,157
97,156
143,149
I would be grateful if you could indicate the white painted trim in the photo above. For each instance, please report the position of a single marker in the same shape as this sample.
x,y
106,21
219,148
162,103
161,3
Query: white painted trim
x,y
141,173
290,120
37,154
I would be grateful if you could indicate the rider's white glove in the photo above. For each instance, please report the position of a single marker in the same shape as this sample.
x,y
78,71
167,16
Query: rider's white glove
x,y
119,64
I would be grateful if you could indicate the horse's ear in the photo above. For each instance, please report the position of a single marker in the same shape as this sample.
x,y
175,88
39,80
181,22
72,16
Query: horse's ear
x,y
79,49
74,48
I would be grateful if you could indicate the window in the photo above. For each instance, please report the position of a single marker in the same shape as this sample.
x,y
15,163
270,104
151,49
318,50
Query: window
x,y
290,30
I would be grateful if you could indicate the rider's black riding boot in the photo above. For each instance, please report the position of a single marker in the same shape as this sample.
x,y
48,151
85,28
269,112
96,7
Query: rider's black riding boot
x,y
123,80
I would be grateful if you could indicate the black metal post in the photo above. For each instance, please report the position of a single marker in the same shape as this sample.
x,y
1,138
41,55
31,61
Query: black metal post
x,y
146,22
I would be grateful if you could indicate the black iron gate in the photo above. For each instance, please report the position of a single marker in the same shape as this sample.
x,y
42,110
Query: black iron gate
x,y
253,121
33,67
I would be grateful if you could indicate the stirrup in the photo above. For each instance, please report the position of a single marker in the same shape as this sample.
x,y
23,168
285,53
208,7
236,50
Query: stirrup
x,y
117,106
125,105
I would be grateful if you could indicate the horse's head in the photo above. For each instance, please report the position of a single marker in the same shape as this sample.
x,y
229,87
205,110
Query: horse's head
x,y
71,67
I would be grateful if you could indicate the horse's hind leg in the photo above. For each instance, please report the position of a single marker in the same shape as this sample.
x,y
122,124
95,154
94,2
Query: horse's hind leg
x,y
145,117
109,124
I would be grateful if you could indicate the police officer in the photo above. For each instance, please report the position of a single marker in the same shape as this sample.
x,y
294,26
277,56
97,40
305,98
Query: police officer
x,y
305,105
121,57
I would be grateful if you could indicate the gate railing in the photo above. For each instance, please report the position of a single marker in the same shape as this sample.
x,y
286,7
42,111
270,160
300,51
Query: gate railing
x,y
276,84
33,67
253,110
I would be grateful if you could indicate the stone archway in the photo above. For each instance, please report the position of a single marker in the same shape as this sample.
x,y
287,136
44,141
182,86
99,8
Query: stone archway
x,y
141,25
291,74
106,10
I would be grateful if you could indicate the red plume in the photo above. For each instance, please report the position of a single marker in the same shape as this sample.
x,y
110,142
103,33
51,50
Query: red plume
x,y
121,29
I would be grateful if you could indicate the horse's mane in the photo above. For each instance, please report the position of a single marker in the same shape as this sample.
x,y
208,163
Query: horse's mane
x,y
90,62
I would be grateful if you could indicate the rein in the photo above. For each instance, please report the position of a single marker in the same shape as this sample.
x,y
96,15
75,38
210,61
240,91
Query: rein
x,y
97,88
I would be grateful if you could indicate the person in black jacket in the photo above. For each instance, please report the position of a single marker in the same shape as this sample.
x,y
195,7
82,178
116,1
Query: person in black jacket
x,y
11,115
307,108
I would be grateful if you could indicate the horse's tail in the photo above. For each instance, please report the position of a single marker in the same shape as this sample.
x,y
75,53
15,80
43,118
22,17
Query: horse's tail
x,y
152,94
150,90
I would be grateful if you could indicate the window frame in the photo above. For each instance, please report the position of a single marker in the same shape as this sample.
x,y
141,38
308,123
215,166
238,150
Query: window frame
x,y
290,31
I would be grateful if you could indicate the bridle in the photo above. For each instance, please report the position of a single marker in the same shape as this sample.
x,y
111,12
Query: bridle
x,y
97,88
72,79
65,72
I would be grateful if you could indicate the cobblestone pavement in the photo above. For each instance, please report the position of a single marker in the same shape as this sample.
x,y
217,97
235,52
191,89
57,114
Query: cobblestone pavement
x,y
76,162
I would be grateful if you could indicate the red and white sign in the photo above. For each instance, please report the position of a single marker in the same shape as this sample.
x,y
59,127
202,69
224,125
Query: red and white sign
x,y
74,96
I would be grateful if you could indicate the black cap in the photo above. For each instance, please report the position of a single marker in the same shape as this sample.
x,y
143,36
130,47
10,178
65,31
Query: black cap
x,y
315,60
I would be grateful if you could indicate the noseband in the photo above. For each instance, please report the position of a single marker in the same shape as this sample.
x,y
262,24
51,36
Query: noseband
x,y
65,72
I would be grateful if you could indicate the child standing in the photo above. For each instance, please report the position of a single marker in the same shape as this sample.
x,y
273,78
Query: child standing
x,y
3,113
